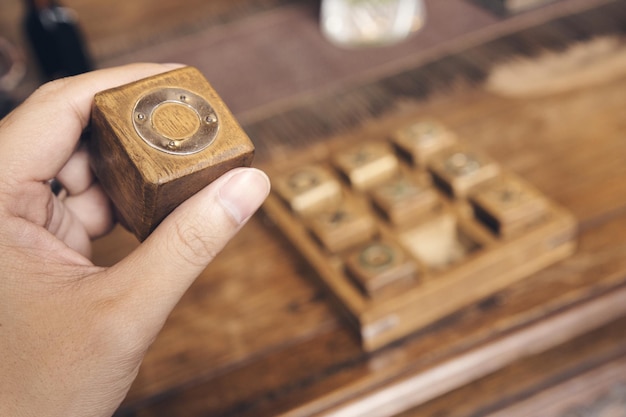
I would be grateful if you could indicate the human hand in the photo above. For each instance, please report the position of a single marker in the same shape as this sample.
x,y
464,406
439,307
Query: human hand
x,y
72,335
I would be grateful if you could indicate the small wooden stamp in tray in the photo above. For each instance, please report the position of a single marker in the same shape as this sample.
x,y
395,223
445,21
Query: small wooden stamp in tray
x,y
405,230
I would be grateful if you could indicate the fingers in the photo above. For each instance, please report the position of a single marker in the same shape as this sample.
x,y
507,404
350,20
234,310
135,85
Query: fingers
x,y
65,226
93,209
38,138
76,175
166,264
86,199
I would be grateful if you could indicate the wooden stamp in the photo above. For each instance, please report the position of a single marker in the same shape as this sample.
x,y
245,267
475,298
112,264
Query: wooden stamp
x,y
457,171
309,189
158,141
404,199
367,164
509,206
423,139
380,265
343,227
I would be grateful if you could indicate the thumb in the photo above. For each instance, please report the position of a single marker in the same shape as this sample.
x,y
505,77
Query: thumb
x,y
163,267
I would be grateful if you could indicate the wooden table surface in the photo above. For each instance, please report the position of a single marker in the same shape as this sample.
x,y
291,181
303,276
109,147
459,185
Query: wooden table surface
x,y
255,335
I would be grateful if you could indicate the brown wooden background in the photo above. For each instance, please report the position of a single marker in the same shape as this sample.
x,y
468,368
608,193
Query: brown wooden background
x,y
263,340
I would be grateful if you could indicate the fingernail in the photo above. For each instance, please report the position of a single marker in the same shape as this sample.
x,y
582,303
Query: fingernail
x,y
244,192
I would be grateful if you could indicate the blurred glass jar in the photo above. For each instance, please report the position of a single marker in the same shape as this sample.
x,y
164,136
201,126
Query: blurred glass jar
x,y
362,23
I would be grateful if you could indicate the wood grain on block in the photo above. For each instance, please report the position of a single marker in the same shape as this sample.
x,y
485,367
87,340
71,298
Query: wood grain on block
x,y
157,141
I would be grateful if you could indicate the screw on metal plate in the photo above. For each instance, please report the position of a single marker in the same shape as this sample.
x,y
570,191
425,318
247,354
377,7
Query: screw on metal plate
x,y
175,121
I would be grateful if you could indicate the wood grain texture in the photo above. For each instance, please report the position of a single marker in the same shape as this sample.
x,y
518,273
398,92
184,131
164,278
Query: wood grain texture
x,y
353,104
585,375
308,362
263,340
234,43
512,6
260,341
144,183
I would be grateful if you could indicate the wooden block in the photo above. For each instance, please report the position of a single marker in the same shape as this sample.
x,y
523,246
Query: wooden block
x,y
457,171
309,189
404,199
158,141
421,140
344,227
509,206
377,266
367,164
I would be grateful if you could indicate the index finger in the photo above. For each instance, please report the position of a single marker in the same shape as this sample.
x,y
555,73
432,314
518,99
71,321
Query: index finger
x,y
38,137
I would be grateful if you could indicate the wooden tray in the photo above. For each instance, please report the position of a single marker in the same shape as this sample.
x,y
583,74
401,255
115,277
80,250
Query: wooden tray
x,y
402,244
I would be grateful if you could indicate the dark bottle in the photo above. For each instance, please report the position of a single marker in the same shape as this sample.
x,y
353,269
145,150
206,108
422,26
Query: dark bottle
x,y
56,39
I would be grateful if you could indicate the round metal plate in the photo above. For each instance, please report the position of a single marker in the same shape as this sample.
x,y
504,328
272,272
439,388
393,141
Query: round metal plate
x,y
377,256
194,138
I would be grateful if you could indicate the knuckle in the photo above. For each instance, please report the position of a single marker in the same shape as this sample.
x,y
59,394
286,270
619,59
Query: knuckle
x,y
51,93
50,89
193,244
